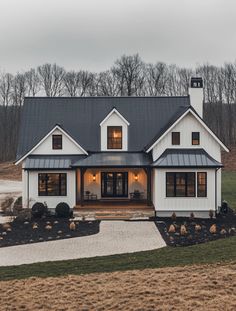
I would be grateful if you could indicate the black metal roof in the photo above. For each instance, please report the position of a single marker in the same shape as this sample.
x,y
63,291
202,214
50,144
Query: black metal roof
x,y
81,118
115,159
51,161
186,158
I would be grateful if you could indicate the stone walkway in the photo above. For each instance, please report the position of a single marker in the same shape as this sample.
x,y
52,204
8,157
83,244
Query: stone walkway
x,y
115,237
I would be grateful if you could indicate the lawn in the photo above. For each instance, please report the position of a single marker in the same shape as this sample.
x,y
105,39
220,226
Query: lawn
x,y
229,188
222,250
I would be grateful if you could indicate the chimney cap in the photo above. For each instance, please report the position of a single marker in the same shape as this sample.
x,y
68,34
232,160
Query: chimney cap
x,y
196,82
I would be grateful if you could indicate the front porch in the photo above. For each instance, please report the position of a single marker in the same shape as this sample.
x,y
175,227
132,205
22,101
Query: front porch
x,y
113,193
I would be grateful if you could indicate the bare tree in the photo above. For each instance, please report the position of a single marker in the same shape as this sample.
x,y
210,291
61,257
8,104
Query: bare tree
x,y
156,79
33,82
51,77
129,71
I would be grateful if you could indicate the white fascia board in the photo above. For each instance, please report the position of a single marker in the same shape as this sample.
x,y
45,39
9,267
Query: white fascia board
x,y
202,123
117,112
57,127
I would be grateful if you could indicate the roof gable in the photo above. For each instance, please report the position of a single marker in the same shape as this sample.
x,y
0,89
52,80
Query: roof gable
x,y
41,141
110,114
158,138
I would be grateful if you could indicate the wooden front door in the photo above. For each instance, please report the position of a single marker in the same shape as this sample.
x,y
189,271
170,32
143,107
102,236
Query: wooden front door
x,y
114,184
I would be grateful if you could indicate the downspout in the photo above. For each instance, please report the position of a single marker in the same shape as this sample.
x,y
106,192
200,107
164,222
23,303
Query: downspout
x,y
216,209
27,188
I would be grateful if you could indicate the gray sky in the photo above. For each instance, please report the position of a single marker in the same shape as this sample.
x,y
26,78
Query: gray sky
x,y
91,34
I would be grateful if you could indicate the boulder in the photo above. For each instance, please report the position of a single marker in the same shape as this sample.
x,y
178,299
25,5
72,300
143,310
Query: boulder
x,y
171,229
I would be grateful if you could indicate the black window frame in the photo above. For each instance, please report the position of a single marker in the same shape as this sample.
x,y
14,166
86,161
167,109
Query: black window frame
x,y
173,138
198,185
45,178
186,195
112,138
196,139
55,137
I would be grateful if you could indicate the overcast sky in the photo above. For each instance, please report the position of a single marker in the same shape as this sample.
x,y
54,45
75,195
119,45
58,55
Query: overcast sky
x,y
91,34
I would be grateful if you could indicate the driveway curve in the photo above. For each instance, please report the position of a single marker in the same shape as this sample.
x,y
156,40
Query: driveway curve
x,y
115,237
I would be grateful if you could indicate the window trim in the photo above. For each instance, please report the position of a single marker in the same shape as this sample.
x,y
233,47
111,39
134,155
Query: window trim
x,y
172,134
186,185
196,139
46,186
121,129
205,196
53,146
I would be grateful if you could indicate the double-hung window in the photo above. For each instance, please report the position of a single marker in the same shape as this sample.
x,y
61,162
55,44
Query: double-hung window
x,y
114,137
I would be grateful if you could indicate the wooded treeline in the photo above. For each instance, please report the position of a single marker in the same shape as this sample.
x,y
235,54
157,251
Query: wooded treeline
x,y
129,76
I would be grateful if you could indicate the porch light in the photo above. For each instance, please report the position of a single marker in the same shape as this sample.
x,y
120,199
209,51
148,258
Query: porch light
x,y
94,177
136,177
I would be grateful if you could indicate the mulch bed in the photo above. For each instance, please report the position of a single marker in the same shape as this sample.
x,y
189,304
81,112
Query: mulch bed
x,y
197,229
46,229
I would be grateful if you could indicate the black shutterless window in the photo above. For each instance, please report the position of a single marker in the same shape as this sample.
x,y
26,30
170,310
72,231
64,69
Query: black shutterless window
x,y
114,137
175,138
56,141
202,184
52,184
180,184
195,138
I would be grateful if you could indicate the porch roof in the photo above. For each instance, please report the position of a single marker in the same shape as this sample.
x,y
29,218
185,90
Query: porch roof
x,y
186,158
51,161
115,159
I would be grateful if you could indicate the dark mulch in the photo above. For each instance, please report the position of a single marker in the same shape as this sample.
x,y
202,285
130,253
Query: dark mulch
x,y
193,236
23,232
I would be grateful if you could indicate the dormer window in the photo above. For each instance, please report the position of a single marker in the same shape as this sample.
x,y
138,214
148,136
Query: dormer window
x,y
195,138
56,142
114,137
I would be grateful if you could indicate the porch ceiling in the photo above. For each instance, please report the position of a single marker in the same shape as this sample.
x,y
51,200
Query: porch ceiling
x,y
115,159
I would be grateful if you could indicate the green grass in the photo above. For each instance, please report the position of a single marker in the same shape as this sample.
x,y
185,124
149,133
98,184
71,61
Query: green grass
x,y
217,251
229,188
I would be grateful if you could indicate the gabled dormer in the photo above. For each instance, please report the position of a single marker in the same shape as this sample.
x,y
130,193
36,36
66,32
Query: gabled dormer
x,y
114,132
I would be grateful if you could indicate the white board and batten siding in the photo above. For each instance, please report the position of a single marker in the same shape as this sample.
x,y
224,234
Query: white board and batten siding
x,y
186,126
183,206
51,201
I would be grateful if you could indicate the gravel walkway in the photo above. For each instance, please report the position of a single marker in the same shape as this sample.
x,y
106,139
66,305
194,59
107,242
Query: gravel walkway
x,y
115,237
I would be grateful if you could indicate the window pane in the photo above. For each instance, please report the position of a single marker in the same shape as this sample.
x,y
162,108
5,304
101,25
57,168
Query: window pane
x,y
175,138
57,141
53,184
180,184
190,184
170,184
114,137
195,138
42,186
202,184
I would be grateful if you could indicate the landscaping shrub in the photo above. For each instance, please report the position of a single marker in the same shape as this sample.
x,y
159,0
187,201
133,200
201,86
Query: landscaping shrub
x,y
6,205
38,210
173,216
63,210
17,206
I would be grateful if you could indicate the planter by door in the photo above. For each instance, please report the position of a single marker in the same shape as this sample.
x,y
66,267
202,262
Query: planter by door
x,y
114,184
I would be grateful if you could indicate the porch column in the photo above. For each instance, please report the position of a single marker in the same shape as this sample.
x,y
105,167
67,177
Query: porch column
x,y
149,186
82,172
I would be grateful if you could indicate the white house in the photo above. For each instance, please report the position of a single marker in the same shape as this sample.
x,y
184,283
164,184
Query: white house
x,y
156,152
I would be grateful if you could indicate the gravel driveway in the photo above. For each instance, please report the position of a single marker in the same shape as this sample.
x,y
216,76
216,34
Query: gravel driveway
x,y
115,237
10,188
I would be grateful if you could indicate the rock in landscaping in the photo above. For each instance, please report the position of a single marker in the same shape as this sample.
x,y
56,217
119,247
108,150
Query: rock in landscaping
x,y
72,226
26,222
6,226
183,230
41,239
59,232
171,229
48,227
232,231
68,235
223,232
171,238
55,222
9,230
1,238
4,233
35,226
198,228
48,223
49,238
213,229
